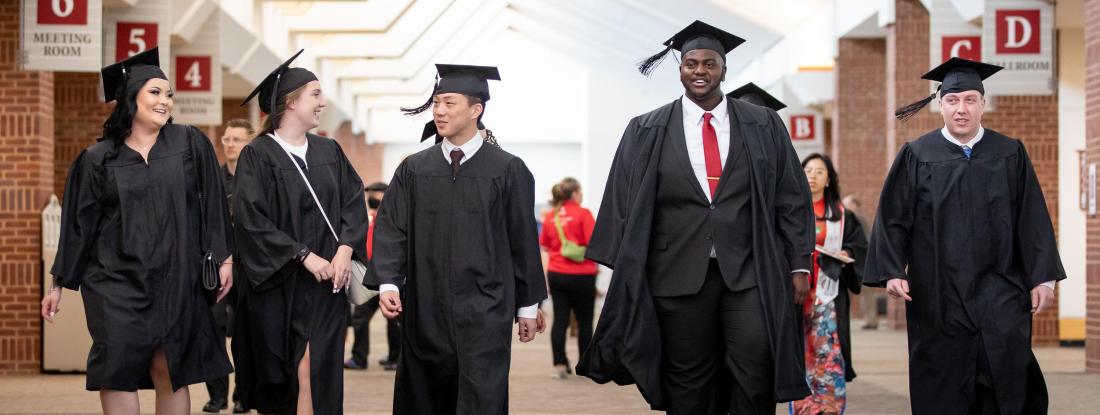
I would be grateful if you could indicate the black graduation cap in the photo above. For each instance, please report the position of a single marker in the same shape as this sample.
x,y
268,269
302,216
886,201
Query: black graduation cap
x,y
459,79
755,95
955,75
130,73
280,82
697,35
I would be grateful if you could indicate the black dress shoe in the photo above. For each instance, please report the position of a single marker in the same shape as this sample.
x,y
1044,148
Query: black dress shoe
x,y
215,405
238,408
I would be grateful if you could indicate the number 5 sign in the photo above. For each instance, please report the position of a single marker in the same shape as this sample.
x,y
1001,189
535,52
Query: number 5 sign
x,y
195,72
133,38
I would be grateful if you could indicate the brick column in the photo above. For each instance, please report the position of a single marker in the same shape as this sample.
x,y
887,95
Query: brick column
x,y
78,118
860,140
1092,150
26,181
1032,119
366,158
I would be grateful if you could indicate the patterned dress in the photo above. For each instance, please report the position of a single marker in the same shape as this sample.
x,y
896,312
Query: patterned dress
x,y
824,362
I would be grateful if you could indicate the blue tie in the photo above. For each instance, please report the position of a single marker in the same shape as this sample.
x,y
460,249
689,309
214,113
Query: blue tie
x,y
967,151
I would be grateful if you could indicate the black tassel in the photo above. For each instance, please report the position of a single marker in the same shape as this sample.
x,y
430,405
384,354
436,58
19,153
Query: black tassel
x,y
908,111
426,105
647,65
490,138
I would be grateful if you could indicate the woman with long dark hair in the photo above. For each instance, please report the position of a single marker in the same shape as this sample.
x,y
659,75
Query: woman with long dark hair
x,y
299,219
136,222
837,269
572,278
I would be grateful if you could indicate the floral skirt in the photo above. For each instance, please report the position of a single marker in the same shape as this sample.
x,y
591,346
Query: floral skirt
x,y
824,362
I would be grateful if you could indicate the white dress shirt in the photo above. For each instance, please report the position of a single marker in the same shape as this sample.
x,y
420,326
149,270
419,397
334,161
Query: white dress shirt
x,y
693,133
468,150
973,142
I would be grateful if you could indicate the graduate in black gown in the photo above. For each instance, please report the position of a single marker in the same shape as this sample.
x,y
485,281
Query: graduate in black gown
x,y
130,242
964,236
756,95
709,263
456,257
289,341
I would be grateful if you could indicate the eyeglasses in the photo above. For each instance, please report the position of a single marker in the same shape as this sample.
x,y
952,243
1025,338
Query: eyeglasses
x,y
234,140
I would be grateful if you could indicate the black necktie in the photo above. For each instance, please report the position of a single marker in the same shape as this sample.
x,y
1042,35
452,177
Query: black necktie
x,y
456,160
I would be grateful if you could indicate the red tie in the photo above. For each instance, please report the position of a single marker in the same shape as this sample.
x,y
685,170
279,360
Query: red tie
x,y
710,154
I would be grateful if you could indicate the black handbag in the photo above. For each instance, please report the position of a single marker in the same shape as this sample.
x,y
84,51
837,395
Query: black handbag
x,y
208,268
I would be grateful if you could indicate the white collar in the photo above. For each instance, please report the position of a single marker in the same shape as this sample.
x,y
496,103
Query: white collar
x,y
973,142
694,113
468,149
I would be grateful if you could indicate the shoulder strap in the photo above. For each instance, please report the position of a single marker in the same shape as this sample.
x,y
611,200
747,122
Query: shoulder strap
x,y
312,193
557,224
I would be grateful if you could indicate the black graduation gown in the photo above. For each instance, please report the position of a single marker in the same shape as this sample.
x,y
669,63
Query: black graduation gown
x,y
626,346
130,243
464,250
283,307
851,279
973,237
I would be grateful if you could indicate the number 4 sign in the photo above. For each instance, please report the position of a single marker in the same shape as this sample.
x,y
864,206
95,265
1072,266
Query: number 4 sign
x,y
133,38
196,73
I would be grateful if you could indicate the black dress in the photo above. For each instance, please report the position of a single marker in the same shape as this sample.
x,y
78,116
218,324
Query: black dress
x,y
281,307
973,237
130,243
464,249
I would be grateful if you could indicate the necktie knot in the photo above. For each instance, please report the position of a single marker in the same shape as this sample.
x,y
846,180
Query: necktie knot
x,y
967,151
707,117
456,160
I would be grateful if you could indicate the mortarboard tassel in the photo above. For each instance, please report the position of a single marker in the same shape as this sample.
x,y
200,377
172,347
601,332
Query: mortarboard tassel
x,y
908,111
647,65
426,105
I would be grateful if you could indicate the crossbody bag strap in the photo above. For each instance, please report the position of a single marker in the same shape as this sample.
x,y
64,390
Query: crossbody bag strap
x,y
311,192
561,231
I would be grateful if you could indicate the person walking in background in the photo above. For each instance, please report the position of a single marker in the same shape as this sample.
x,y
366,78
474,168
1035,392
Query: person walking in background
x,y
361,315
238,133
837,269
565,233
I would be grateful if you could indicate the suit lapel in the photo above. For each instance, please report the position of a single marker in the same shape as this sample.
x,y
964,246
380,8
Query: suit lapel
x,y
675,131
736,147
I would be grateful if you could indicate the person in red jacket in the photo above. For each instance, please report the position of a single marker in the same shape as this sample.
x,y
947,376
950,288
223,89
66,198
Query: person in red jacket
x,y
572,282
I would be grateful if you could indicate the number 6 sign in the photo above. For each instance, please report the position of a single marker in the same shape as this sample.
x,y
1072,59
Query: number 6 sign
x,y
196,74
63,12
133,38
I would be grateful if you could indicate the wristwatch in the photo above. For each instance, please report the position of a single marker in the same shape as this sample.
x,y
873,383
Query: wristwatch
x,y
300,257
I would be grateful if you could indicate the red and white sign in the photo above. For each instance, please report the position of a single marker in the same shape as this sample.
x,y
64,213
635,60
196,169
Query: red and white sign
x,y
63,12
966,47
802,128
133,38
1018,31
195,74
1019,36
132,30
197,77
62,35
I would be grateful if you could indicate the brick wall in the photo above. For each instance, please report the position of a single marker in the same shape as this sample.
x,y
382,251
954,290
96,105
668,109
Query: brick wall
x,y
78,119
860,146
26,181
1032,119
366,158
1092,149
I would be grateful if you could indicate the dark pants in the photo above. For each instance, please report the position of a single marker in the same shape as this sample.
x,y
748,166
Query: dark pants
x,y
223,320
360,322
706,338
571,293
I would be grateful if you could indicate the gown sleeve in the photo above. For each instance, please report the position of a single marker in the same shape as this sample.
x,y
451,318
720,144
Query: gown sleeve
x,y
888,252
607,234
80,216
855,242
793,205
216,228
522,237
353,211
1035,240
263,247
389,247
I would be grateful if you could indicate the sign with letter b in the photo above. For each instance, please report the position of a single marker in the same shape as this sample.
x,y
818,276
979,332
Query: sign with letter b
x,y
802,127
